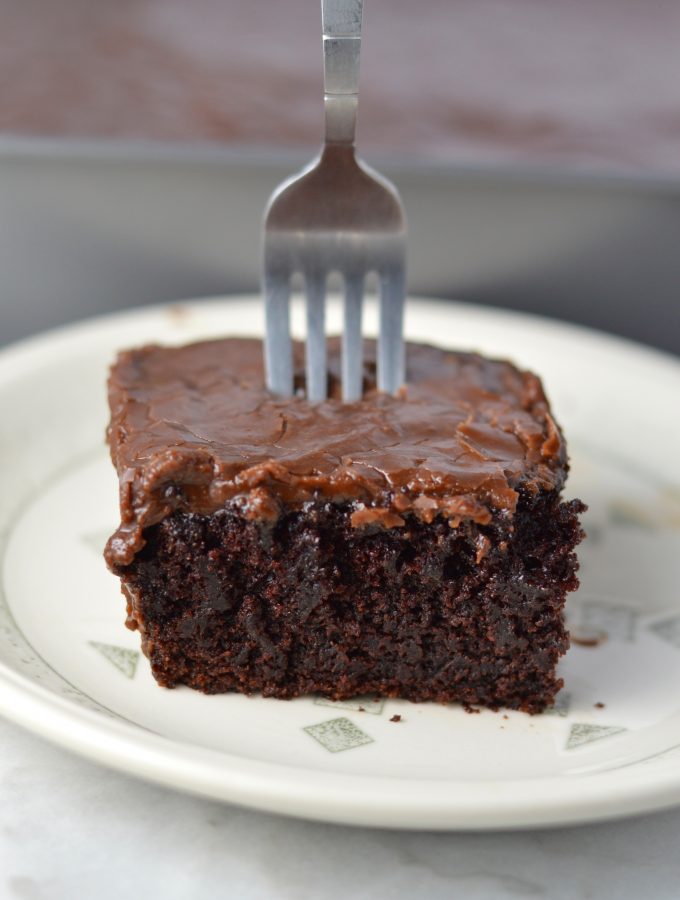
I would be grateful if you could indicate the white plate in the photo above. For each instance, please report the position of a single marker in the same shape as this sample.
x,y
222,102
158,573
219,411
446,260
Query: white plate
x,y
70,671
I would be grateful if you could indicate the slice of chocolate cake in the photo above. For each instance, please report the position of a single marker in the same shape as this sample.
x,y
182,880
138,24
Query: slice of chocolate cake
x,y
413,546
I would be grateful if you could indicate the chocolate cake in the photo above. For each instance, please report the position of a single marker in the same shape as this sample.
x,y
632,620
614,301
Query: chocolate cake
x,y
413,546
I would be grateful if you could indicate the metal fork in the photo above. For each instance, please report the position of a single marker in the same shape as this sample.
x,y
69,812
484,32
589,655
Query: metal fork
x,y
336,216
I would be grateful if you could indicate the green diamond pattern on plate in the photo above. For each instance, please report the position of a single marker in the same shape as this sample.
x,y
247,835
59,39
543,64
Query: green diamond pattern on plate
x,y
583,733
668,630
124,660
372,705
628,515
617,621
561,705
338,734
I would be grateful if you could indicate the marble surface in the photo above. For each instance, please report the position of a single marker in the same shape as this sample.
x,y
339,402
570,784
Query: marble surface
x,y
69,828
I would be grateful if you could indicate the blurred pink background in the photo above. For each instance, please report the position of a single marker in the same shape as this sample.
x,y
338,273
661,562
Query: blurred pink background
x,y
591,84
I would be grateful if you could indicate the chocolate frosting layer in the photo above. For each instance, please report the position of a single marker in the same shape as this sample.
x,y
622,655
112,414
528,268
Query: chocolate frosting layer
x,y
193,428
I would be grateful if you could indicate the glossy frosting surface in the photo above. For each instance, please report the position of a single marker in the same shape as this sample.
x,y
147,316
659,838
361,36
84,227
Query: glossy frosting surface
x,y
193,428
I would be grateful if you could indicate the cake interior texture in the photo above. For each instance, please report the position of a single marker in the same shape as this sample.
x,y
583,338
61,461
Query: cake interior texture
x,y
415,547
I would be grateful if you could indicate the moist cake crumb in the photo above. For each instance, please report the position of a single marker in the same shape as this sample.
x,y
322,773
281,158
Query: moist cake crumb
x,y
415,546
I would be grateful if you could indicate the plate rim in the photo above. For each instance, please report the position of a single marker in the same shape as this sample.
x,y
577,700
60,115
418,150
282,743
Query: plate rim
x,y
437,804
479,805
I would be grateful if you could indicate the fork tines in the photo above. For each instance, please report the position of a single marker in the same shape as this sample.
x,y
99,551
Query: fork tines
x,y
337,216
284,256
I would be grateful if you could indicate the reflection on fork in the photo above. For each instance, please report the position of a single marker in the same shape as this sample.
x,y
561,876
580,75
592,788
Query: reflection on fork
x,y
337,217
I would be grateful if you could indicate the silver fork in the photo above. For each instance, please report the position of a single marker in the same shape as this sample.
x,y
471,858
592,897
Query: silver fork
x,y
336,216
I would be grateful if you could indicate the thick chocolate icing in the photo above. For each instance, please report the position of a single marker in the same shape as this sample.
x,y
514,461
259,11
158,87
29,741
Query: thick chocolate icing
x,y
193,428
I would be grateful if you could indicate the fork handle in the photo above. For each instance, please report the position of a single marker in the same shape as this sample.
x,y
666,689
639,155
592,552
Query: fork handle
x,y
341,21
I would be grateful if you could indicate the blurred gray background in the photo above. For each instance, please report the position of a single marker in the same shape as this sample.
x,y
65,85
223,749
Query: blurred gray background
x,y
84,232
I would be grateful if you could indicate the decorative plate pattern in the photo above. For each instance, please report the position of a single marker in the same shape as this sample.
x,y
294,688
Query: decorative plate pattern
x,y
70,670
338,734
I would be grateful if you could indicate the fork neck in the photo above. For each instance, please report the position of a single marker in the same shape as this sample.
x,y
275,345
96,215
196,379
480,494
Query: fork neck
x,y
341,118
341,21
